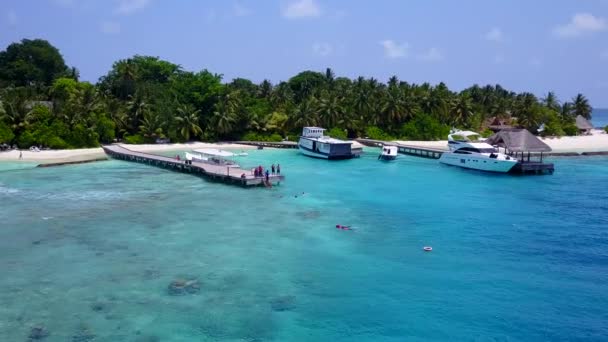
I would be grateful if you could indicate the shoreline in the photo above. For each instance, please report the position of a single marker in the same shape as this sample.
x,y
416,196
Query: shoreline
x,y
583,145
95,154
580,145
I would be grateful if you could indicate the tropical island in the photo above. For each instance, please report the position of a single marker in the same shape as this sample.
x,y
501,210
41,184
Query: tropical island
x,y
144,100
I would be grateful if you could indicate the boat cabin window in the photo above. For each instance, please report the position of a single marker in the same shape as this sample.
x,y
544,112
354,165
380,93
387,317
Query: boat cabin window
x,y
475,150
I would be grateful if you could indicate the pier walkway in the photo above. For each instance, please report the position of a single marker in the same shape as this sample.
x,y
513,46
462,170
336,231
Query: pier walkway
x,y
232,175
273,144
417,151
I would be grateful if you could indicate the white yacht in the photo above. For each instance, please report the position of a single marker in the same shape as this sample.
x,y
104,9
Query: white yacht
x,y
388,152
314,144
212,156
469,151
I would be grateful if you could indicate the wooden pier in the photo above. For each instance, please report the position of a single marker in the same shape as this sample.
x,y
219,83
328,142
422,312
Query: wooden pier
x,y
417,151
220,173
272,144
532,167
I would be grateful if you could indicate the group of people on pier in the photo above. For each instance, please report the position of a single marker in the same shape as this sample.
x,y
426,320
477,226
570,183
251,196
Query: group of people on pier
x,y
260,172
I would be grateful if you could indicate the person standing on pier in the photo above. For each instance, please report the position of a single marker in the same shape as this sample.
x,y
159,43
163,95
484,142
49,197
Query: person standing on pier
x,y
267,175
278,169
272,168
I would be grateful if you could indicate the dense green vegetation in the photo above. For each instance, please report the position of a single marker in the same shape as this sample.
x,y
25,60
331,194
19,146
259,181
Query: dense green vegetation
x,y
143,98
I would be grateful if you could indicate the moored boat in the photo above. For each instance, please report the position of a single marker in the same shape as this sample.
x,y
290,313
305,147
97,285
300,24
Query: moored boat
x,y
388,152
314,143
212,156
467,150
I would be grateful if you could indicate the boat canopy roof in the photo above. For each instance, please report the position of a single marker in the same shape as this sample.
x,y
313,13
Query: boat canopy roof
x,y
214,152
464,134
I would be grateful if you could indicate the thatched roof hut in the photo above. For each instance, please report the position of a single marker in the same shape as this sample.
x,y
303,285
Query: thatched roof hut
x,y
583,124
518,140
497,124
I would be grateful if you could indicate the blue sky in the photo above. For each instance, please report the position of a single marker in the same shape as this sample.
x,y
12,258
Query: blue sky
x,y
523,45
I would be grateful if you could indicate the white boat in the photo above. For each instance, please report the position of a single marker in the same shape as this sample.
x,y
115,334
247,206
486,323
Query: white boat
x,y
467,150
388,152
212,156
314,144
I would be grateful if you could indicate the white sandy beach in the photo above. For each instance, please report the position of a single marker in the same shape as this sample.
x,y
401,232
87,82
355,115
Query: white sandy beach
x,y
587,143
596,142
87,154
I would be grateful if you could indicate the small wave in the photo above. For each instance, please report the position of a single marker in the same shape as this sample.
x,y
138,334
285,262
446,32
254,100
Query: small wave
x,y
7,190
47,217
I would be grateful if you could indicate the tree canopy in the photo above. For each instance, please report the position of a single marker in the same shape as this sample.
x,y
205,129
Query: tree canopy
x,y
144,98
32,62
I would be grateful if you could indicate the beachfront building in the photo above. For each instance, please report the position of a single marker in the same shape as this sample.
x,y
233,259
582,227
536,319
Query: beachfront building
x,y
525,147
583,125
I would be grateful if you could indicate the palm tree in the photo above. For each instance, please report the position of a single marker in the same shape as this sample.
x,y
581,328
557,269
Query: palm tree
x,y
226,112
17,114
305,114
152,126
265,89
392,108
330,110
581,106
137,108
461,109
550,101
187,121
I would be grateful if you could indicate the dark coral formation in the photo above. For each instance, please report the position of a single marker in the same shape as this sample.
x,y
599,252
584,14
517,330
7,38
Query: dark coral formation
x,y
38,332
283,303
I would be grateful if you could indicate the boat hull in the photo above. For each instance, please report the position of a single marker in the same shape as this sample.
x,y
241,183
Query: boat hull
x,y
477,163
328,151
387,157
313,154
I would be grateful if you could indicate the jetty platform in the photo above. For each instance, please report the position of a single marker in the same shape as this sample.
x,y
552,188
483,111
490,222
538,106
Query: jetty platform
x,y
221,173
272,144
417,151
523,167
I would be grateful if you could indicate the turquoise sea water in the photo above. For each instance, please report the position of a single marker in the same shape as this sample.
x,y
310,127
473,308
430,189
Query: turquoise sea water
x,y
600,117
89,250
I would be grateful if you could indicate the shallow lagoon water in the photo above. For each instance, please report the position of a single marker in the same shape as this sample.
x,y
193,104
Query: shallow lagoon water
x,y
89,250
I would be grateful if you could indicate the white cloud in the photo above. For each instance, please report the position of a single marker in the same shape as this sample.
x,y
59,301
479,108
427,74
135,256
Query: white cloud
x,y
110,27
432,55
239,10
580,24
322,49
302,9
11,18
394,50
131,6
494,35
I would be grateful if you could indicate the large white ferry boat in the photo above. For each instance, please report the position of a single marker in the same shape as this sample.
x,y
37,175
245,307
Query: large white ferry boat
x,y
314,144
467,151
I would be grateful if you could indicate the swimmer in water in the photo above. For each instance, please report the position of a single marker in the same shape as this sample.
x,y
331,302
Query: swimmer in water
x,y
339,226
